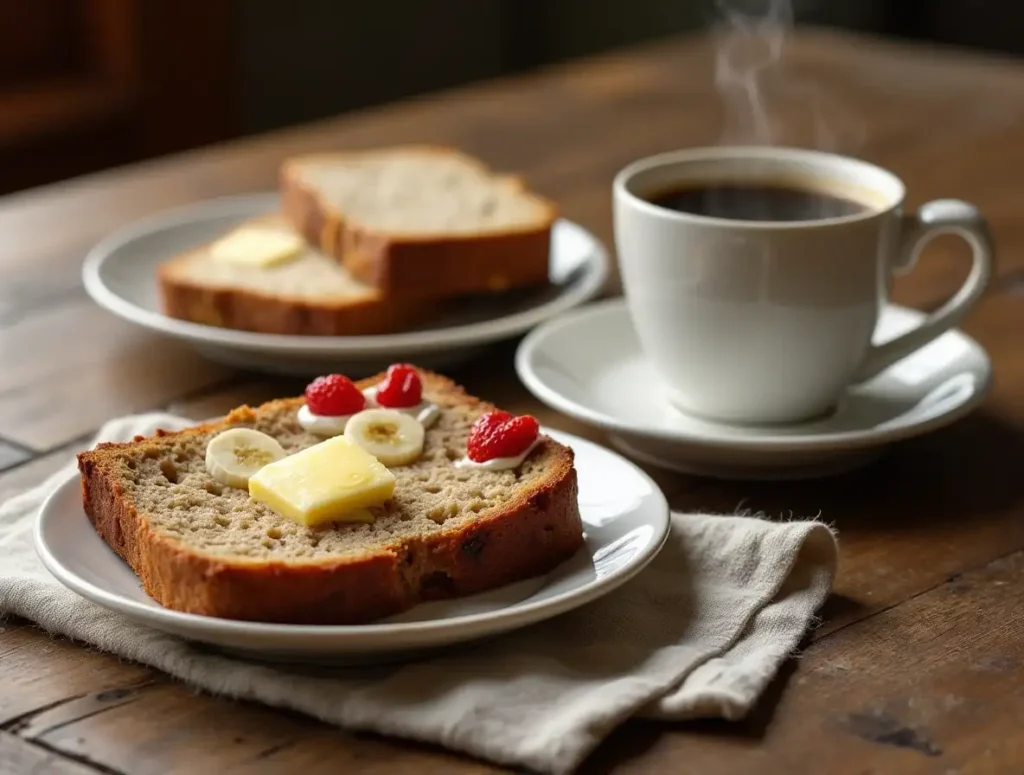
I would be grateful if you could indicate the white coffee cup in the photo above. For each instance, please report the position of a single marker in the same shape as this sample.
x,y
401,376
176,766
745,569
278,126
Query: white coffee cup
x,y
770,321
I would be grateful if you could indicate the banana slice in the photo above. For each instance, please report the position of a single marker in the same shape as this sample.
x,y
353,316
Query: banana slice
x,y
235,455
394,438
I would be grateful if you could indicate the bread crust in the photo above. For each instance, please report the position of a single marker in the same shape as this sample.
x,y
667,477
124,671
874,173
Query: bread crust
x,y
249,310
426,266
533,533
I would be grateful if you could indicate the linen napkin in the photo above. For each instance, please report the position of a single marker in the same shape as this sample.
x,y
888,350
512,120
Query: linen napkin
x,y
699,633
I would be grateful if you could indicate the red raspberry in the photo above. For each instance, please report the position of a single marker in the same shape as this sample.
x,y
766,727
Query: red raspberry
x,y
499,434
333,396
400,387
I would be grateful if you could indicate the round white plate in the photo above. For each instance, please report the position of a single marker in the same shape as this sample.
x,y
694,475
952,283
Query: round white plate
x,y
625,518
120,275
588,364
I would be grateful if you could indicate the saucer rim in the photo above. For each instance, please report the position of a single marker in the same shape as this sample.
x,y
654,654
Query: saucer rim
x,y
534,341
596,271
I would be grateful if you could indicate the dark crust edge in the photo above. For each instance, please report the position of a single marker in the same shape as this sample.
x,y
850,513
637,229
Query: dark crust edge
x,y
536,531
424,266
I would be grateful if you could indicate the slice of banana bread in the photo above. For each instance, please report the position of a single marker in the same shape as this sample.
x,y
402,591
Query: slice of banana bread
x,y
308,295
204,548
420,221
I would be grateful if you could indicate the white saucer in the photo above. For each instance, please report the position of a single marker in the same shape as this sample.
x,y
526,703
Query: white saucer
x,y
588,364
625,518
120,275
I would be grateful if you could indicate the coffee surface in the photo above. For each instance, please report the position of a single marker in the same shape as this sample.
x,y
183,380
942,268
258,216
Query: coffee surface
x,y
755,202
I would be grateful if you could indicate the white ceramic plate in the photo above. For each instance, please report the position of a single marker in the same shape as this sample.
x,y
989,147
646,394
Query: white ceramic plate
x,y
589,365
120,275
625,518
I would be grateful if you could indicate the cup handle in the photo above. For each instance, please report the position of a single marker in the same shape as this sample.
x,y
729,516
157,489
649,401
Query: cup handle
x,y
943,216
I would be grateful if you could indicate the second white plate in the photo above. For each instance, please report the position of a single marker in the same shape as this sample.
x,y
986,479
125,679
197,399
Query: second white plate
x,y
120,275
625,517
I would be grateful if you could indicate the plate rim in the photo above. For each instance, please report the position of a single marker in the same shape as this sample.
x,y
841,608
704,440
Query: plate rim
x,y
597,268
533,342
406,634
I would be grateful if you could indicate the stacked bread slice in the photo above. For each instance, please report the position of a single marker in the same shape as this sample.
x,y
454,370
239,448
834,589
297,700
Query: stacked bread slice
x,y
367,242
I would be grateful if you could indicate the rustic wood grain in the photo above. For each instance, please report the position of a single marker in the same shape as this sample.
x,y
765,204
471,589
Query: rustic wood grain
x,y
199,733
39,468
918,666
218,402
40,673
20,757
11,455
69,367
933,686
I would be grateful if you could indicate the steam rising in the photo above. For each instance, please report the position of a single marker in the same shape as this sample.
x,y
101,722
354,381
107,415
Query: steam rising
x,y
767,100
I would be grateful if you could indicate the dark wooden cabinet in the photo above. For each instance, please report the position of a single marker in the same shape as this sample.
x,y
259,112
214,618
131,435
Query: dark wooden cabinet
x,y
87,84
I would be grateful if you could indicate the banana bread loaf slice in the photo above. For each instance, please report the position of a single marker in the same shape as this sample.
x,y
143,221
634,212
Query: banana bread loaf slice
x,y
309,294
420,221
204,548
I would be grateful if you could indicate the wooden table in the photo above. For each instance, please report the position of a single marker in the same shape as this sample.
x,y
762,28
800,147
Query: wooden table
x,y
919,664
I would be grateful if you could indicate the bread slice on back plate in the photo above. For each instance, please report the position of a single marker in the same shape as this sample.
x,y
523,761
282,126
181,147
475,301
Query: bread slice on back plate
x,y
420,220
310,294
204,548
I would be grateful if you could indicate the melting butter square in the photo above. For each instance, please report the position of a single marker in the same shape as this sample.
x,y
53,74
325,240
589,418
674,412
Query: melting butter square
x,y
333,481
257,246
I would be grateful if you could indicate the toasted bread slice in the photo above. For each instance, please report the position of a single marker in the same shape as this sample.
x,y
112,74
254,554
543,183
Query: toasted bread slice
x,y
310,294
420,221
204,548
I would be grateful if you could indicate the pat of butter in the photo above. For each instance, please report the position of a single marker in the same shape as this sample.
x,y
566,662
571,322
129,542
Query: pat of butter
x,y
256,246
333,481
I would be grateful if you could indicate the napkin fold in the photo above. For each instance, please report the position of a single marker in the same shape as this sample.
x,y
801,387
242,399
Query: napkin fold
x,y
699,633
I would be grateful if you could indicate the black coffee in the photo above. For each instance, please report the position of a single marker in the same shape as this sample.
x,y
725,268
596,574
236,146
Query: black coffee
x,y
755,202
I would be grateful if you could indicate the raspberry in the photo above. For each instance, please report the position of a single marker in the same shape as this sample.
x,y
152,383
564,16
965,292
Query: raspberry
x,y
499,434
400,387
333,396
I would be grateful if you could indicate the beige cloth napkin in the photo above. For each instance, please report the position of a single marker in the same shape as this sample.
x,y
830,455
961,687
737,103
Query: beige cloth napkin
x,y
699,633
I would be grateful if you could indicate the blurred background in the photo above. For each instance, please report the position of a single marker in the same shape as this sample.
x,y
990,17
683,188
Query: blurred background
x,y
89,84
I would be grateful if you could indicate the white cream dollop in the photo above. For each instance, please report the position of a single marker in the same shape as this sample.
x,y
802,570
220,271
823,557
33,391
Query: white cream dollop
x,y
425,412
498,463
322,424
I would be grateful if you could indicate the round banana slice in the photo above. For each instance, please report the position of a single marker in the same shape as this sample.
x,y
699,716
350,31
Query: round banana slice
x,y
394,438
235,455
